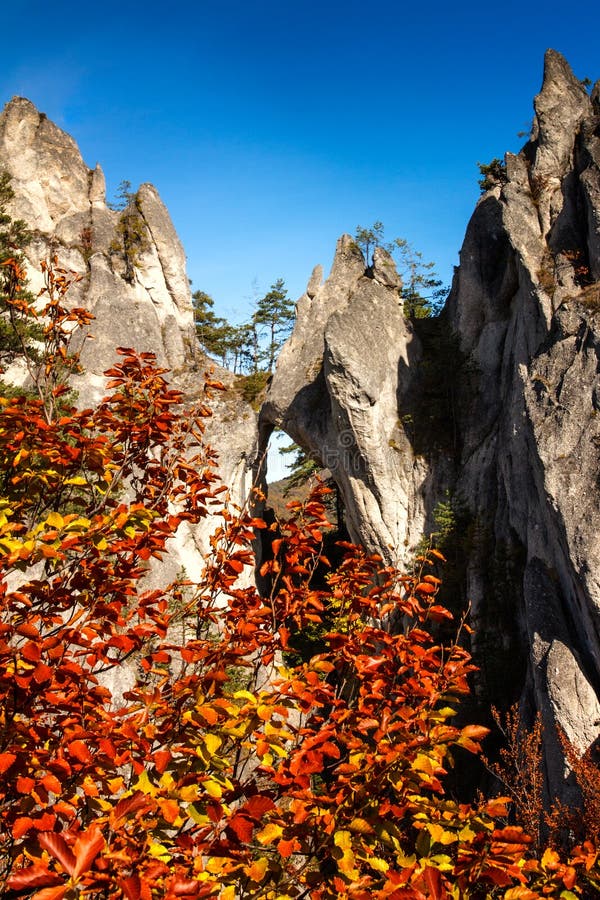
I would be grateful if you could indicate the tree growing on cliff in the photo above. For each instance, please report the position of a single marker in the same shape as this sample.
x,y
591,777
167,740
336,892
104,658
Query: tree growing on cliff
x,y
273,317
131,232
215,334
318,779
18,334
422,291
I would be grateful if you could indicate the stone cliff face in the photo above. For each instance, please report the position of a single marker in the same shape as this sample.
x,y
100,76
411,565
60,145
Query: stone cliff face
x,y
523,456
64,205
339,385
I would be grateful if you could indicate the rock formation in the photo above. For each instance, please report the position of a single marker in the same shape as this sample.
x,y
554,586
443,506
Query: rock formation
x,y
525,394
64,205
495,405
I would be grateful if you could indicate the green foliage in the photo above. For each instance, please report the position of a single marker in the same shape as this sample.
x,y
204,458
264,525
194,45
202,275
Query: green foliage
x,y
131,240
422,292
251,387
369,238
492,174
301,468
252,347
273,317
19,334
217,337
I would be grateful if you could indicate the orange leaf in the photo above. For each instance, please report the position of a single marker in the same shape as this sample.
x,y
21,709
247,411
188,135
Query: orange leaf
x,y
56,845
80,751
32,877
6,761
87,847
50,893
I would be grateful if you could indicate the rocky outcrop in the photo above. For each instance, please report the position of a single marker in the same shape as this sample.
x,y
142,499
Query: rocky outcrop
x,y
149,308
524,310
339,384
525,303
63,203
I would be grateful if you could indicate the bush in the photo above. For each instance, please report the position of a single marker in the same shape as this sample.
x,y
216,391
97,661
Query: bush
x,y
321,780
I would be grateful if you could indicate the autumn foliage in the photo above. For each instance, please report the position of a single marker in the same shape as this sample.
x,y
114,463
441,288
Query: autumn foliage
x,y
158,741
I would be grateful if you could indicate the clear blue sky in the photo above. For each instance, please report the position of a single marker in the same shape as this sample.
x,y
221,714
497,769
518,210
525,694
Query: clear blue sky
x,y
269,128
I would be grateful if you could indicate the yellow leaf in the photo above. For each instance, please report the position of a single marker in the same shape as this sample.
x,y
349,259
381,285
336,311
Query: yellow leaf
x,y
245,695
167,781
198,817
343,840
422,763
269,833
439,835
360,826
55,520
144,785
379,865
257,870
76,480
212,742
228,893
213,788
159,851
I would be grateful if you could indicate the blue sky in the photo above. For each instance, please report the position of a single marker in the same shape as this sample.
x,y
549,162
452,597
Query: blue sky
x,y
269,128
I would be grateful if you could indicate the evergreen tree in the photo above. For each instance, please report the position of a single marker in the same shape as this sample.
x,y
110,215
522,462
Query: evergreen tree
x,y
369,238
18,333
132,235
216,335
422,291
275,314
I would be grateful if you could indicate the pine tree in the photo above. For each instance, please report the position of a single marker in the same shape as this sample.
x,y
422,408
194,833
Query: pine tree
x,y
18,333
275,313
422,291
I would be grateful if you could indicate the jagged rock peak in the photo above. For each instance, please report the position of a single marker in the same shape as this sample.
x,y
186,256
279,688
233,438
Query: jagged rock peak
x,y
63,202
336,389
560,107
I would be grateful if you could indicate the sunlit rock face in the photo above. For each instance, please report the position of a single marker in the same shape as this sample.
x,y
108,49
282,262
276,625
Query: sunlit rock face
x,y
63,202
339,382
524,309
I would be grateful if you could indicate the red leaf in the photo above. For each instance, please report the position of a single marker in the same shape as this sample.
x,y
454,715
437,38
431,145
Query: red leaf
x,y
21,826
433,878
424,588
257,806
161,759
56,845
6,761
242,827
50,893
185,888
32,877
130,887
25,785
87,847
79,751
51,783
129,805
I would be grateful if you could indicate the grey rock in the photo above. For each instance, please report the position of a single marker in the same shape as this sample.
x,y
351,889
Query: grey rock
x,y
336,389
64,204
525,307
